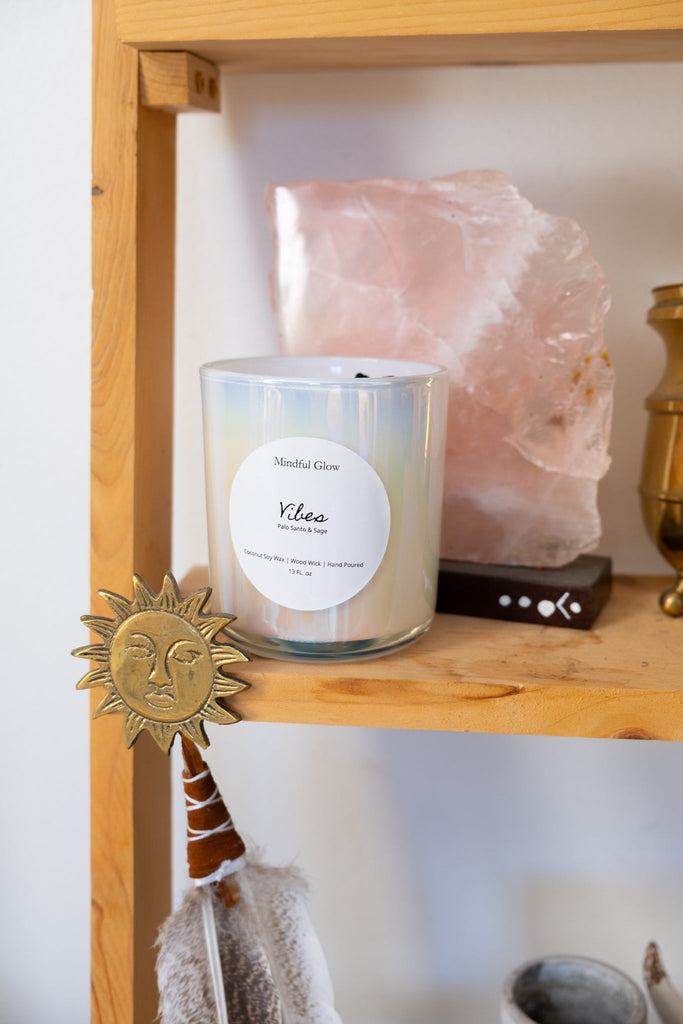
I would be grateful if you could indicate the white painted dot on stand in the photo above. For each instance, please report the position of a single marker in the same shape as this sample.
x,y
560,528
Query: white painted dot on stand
x,y
545,608
505,600
575,607
524,601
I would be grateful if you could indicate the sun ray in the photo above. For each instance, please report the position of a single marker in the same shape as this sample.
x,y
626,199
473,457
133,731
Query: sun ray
x,y
119,605
144,596
169,595
194,730
191,607
227,655
215,713
211,625
110,702
95,677
227,685
132,727
93,652
103,627
164,734
161,664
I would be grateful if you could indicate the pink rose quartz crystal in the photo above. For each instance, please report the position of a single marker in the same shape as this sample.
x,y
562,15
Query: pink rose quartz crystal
x,y
465,272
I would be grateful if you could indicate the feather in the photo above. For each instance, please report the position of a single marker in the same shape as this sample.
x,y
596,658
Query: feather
x,y
294,951
273,965
214,957
185,986
241,948
666,999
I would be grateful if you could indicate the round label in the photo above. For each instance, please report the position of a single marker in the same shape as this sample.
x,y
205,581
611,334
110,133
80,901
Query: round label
x,y
309,521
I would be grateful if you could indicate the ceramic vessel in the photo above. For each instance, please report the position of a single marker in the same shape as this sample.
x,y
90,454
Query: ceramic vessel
x,y
571,990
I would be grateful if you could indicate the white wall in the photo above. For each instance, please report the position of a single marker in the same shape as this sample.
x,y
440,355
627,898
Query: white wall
x,y
437,861
44,417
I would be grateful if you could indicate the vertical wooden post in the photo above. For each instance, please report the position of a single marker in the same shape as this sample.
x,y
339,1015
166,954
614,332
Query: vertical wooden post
x,y
133,258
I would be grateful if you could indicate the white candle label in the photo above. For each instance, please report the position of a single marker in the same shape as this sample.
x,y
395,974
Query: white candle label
x,y
309,521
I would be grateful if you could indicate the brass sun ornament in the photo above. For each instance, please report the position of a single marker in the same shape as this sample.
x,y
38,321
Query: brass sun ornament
x,y
160,663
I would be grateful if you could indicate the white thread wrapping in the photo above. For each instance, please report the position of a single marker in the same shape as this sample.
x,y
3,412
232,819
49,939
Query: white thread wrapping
x,y
203,833
193,804
228,867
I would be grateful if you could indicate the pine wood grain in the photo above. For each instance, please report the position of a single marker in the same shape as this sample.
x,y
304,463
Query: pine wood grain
x,y
620,679
133,210
247,55
244,36
111,769
178,82
298,19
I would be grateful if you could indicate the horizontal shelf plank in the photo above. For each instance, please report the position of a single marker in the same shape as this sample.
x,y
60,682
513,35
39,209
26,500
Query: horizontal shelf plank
x,y
620,679
292,19
241,35
248,56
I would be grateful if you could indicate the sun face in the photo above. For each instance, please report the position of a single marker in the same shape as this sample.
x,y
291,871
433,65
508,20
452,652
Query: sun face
x,y
160,663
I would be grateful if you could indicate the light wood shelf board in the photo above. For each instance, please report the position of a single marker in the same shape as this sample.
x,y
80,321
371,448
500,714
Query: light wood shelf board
x,y
273,55
241,36
169,20
620,679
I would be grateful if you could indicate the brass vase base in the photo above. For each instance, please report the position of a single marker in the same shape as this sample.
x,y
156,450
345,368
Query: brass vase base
x,y
671,601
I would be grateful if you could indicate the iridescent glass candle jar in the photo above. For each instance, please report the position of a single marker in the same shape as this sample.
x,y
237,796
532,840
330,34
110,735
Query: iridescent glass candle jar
x,y
324,492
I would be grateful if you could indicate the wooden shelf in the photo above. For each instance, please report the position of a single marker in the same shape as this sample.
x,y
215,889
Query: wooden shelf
x,y
621,679
290,19
240,35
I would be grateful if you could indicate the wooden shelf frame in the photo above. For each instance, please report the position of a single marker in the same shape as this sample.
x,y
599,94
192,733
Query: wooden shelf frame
x,y
618,680
240,35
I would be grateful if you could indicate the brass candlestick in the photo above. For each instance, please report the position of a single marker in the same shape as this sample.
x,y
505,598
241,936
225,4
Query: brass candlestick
x,y
661,488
